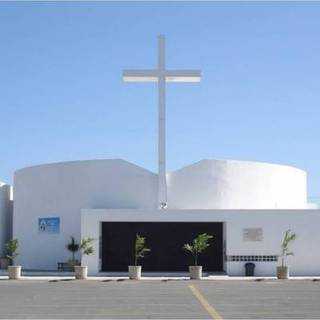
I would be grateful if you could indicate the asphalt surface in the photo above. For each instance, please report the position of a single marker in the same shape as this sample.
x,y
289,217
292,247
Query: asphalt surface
x,y
268,299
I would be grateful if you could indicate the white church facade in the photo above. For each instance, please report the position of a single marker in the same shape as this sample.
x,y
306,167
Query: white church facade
x,y
245,206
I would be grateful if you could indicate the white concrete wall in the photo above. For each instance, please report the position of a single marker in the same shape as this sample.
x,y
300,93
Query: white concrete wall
x,y
230,184
305,223
61,190
5,215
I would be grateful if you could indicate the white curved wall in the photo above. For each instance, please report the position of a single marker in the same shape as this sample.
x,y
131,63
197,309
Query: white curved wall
x,y
62,190
5,215
229,184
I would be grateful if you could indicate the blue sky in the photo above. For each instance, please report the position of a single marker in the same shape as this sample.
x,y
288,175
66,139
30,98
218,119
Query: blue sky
x,y
62,97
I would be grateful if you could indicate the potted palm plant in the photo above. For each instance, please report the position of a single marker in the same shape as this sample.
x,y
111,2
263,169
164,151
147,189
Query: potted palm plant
x,y
86,247
11,248
283,269
199,244
140,250
73,247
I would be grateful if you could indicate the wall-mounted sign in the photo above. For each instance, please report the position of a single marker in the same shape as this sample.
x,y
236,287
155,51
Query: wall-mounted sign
x,y
253,234
49,225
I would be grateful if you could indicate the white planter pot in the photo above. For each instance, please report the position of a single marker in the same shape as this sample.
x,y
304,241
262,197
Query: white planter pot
x,y
283,273
14,272
81,272
135,272
195,272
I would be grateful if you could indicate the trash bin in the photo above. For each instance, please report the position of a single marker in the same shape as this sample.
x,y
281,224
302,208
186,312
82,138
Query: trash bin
x,y
249,269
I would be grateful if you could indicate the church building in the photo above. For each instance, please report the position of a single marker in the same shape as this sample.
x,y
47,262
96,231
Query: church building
x,y
246,207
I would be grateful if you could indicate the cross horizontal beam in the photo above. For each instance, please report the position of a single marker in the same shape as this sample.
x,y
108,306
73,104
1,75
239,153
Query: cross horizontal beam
x,y
153,75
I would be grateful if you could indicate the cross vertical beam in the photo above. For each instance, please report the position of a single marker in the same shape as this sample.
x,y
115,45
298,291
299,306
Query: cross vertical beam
x,y
162,181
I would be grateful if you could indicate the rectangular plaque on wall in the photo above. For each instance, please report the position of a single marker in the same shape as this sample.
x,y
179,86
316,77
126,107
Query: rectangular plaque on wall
x,y
49,225
253,234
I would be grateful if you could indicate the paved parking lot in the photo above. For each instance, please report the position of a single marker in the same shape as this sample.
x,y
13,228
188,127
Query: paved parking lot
x,y
270,299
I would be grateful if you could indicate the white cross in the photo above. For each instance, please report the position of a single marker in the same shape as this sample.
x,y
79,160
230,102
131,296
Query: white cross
x,y
161,75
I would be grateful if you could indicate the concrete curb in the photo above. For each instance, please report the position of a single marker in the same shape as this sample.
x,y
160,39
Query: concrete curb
x,y
106,279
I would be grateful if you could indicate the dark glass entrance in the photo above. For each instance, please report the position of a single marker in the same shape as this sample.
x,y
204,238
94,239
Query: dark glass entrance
x,y
165,239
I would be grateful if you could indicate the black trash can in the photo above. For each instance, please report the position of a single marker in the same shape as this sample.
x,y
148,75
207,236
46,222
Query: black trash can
x,y
249,269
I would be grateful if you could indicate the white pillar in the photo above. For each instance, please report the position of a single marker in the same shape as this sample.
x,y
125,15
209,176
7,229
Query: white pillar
x,y
162,183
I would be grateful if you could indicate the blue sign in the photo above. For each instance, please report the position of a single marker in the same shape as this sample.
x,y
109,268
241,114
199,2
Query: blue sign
x,y
49,225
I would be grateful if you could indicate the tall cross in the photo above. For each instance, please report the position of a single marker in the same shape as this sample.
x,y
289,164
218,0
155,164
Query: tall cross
x,y
161,75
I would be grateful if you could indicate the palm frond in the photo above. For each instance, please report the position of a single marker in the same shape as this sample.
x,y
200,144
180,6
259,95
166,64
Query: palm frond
x,y
11,249
140,249
86,245
288,238
199,244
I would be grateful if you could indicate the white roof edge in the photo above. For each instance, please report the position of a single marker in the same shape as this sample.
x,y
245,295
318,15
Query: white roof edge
x,y
240,161
151,172
80,161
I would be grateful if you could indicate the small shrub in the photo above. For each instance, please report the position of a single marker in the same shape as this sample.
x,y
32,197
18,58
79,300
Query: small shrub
x,y
288,238
11,249
140,248
199,244
86,246
73,247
